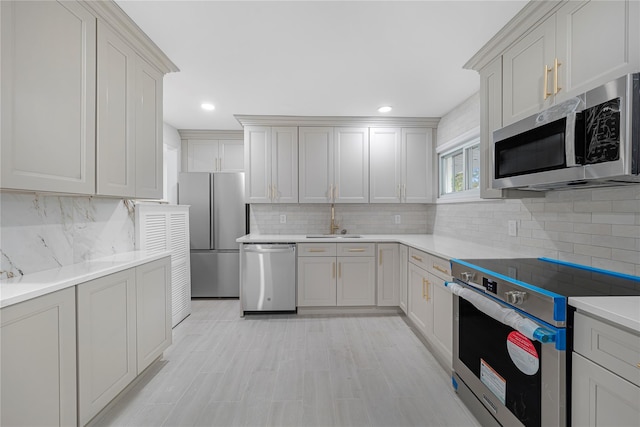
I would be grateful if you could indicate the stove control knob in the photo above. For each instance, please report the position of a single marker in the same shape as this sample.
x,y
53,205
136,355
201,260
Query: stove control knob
x,y
515,297
467,276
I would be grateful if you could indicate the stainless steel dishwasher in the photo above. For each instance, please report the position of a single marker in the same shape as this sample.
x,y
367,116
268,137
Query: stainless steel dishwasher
x,y
268,277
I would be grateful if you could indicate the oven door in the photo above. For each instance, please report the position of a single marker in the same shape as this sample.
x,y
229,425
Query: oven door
x,y
518,381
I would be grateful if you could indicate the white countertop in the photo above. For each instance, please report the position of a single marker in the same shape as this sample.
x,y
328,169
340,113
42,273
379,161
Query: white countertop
x,y
442,246
19,289
623,311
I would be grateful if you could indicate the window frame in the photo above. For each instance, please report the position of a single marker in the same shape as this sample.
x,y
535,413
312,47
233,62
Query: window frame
x,y
461,143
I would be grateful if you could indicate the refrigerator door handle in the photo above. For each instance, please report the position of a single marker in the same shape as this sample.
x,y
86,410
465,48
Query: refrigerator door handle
x,y
212,214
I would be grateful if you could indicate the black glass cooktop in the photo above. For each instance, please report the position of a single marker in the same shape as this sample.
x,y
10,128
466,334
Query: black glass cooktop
x,y
564,279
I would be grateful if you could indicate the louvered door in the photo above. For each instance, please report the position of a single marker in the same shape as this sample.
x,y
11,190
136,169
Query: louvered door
x,y
162,228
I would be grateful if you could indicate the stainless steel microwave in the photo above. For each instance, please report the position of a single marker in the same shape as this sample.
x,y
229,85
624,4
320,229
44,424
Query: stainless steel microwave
x,y
592,140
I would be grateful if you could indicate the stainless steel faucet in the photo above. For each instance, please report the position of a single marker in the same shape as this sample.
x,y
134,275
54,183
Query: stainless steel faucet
x,y
334,225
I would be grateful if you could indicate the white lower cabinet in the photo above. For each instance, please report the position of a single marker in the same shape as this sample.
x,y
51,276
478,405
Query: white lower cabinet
x,y
403,260
430,303
38,361
124,324
605,375
419,307
388,277
356,281
106,340
332,274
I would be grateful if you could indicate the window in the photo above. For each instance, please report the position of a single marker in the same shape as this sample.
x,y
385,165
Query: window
x,y
460,170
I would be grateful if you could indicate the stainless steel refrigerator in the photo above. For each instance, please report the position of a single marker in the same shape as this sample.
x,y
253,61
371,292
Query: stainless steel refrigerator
x,y
217,217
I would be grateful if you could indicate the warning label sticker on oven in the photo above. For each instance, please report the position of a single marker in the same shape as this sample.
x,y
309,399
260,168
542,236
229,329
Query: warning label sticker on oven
x,y
493,381
523,353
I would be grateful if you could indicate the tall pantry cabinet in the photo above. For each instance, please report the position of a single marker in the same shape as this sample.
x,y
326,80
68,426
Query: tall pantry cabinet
x,y
57,134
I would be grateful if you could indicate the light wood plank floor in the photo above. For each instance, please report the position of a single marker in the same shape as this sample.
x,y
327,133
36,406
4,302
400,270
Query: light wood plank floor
x,y
287,370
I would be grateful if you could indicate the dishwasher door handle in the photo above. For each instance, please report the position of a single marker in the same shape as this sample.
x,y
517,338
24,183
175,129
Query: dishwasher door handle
x,y
270,250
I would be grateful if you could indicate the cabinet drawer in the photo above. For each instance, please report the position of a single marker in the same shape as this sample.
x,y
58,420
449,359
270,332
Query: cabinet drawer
x,y
356,249
440,267
419,258
615,349
316,249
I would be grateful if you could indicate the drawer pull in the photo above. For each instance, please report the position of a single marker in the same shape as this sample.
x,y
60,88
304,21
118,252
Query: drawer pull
x,y
638,365
316,250
417,258
440,269
357,250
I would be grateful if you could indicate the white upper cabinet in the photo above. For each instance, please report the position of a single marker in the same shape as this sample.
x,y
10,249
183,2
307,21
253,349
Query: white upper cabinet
x,y
129,129
211,155
48,96
582,45
385,162
401,165
593,56
66,64
271,164
417,165
334,165
527,79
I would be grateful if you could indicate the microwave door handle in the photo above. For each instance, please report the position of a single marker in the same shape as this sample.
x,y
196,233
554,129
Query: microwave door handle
x,y
570,140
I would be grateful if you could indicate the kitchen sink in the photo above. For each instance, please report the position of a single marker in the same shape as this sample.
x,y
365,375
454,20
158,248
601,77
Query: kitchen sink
x,y
333,236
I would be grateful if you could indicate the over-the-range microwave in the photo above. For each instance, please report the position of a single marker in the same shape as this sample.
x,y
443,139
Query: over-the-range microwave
x,y
592,140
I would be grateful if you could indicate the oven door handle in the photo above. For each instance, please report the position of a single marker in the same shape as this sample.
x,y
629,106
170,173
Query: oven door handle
x,y
503,315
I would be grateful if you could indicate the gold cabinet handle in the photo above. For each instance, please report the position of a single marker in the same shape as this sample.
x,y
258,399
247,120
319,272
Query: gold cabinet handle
x,y
339,270
440,269
427,283
330,197
316,250
333,270
380,262
556,65
638,366
356,250
545,93
417,258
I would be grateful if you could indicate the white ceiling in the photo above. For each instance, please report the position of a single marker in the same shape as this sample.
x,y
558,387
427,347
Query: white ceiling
x,y
316,58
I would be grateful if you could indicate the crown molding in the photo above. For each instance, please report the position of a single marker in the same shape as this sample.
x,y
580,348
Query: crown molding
x,y
246,120
528,18
210,134
111,13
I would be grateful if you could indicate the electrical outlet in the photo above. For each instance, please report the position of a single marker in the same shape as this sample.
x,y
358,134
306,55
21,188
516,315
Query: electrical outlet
x,y
283,219
397,219
513,228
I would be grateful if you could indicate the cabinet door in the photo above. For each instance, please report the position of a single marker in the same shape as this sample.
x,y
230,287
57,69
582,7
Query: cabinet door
x,y
316,281
356,281
442,316
385,150
202,155
153,311
284,164
116,150
418,308
490,120
148,131
589,56
231,154
404,291
524,66
351,165
49,78
257,164
180,265
418,177
38,361
388,276
106,310
600,397
316,165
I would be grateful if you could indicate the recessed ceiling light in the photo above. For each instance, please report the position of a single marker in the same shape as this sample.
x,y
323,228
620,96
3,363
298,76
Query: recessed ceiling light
x,y
207,106
384,109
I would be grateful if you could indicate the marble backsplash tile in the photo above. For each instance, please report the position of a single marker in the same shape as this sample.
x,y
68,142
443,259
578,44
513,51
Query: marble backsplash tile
x,y
39,232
